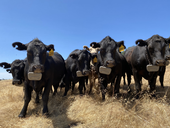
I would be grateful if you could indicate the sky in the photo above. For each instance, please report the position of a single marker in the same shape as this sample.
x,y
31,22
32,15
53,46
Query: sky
x,y
70,24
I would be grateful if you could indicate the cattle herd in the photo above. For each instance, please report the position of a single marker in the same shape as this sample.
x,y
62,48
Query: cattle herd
x,y
103,60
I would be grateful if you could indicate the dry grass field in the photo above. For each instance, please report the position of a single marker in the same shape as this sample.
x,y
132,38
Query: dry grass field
x,y
88,111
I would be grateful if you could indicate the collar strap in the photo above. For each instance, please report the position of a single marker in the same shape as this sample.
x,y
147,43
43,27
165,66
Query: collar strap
x,y
148,55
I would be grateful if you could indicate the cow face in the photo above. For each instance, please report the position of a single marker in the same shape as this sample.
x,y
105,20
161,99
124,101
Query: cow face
x,y
36,54
108,51
156,46
17,70
83,61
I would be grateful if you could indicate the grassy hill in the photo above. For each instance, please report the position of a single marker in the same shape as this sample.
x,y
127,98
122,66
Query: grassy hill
x,y
88,111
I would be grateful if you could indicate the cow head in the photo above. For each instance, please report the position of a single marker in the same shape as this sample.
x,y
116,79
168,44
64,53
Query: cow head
x,y
95,47
108,51
36,54
155,49
17,70
83,59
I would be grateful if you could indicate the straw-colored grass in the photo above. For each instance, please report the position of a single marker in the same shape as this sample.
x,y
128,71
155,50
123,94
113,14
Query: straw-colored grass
x,y
88,111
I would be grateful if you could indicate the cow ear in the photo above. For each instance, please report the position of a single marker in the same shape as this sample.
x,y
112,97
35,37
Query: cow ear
x,y
73,56
5,65
168,40
85,47
121,46
141,42
8,70
50,47
121,43
20,46
95,45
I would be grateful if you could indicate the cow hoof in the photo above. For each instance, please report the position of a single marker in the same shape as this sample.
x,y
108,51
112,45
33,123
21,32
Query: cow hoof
x,y
37,102
137,97
46,115
64,95
153,96
21,115
129,91
54,94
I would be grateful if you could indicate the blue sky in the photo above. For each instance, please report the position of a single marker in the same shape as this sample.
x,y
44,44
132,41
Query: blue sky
x,y
70,24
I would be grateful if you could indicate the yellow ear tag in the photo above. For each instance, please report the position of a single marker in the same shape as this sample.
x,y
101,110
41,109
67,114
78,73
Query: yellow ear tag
x,y
51,53
95,60
121,48
169,45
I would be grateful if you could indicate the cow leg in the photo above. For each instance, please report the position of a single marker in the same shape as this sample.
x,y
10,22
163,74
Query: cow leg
x,y
111,87
45,98
117,84
27,98
124,79
37,99
129,81
73,86
161,75
103,86
91,83
84,86
137,79
55,89
152,82
81,85
67,84
86,80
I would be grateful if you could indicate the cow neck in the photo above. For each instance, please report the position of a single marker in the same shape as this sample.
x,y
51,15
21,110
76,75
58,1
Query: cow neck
x,y
148,55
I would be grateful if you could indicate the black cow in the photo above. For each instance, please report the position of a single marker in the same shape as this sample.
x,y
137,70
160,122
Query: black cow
x,y
77,69
109,64
17,70
146,58
41,70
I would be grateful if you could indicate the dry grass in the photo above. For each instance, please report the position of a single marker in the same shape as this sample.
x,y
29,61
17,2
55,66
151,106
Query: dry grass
x,y
87,111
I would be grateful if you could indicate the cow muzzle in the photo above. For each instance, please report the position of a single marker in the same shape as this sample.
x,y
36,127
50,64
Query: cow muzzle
x,y
160,62
167,57
110,63
38,68
17,82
